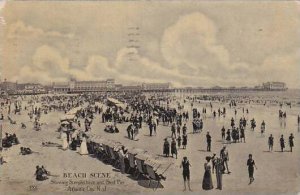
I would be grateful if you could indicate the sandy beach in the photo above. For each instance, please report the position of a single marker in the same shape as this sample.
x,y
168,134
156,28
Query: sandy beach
x,y
277,171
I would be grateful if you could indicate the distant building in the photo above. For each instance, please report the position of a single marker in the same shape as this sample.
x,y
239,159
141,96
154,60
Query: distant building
x,y
84,86
155,86
132,88
30,88
274,86
110,84
61,87
9,86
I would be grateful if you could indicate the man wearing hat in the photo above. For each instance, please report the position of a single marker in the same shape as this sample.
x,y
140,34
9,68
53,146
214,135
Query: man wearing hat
x,y
225,157
208,141
185,165
213,161
166,150
173,148
291,142
219,172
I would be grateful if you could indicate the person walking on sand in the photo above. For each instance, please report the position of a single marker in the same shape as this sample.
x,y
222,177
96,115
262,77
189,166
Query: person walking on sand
x,y
263,127
219,172
173,130
166,150
282,145
179,141
208,141
207,179
185,164
228,137
184,140
242,134
270,142
65,143
223,133
83,146
225,157
251,165
173,148
291,142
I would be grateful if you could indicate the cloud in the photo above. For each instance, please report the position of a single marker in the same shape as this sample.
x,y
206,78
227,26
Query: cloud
x,y
190,46
47,64
191,53
284,67
192,40
19,30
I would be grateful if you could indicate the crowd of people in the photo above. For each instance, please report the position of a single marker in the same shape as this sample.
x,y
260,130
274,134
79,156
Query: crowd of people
x,y
152,112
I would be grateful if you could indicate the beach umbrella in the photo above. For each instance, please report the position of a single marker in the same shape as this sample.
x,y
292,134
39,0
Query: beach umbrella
x,y
64,123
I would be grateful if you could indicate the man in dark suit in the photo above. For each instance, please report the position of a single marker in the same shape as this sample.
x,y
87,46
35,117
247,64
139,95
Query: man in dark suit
x,y
208,141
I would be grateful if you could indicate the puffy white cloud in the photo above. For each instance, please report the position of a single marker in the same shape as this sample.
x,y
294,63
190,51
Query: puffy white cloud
x,y
19,30
284,67
188,50
47,65
190,46
192,40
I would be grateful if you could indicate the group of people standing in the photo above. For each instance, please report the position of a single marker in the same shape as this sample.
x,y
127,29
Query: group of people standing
x,y
213,164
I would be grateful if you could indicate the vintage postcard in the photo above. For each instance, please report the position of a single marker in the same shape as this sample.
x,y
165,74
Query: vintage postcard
x,y
149,97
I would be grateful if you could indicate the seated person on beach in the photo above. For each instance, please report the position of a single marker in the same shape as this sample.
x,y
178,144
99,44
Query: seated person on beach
x,y
115,129
23,126
49,144
40,174
10,140
6,143
74,144
45,171
111,129
37,126
25,151
14,139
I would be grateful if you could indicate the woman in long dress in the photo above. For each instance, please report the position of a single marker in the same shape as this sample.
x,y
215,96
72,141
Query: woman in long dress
x,y
65,143
184,140
166,148
83,147
207,180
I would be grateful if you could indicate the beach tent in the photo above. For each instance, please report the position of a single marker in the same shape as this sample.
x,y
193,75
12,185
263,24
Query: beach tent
x,y
68,117
116,103
74,111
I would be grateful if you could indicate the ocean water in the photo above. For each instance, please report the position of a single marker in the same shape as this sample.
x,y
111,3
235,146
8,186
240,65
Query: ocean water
x,y
290,95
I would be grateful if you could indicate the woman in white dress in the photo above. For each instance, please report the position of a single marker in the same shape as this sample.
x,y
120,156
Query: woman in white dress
x,y
83,147
65,143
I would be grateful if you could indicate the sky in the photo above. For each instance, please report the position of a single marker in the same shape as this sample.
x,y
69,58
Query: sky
x,y
186,43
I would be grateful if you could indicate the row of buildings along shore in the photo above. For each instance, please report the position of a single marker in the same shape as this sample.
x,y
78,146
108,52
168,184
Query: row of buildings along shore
x,y
109,85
